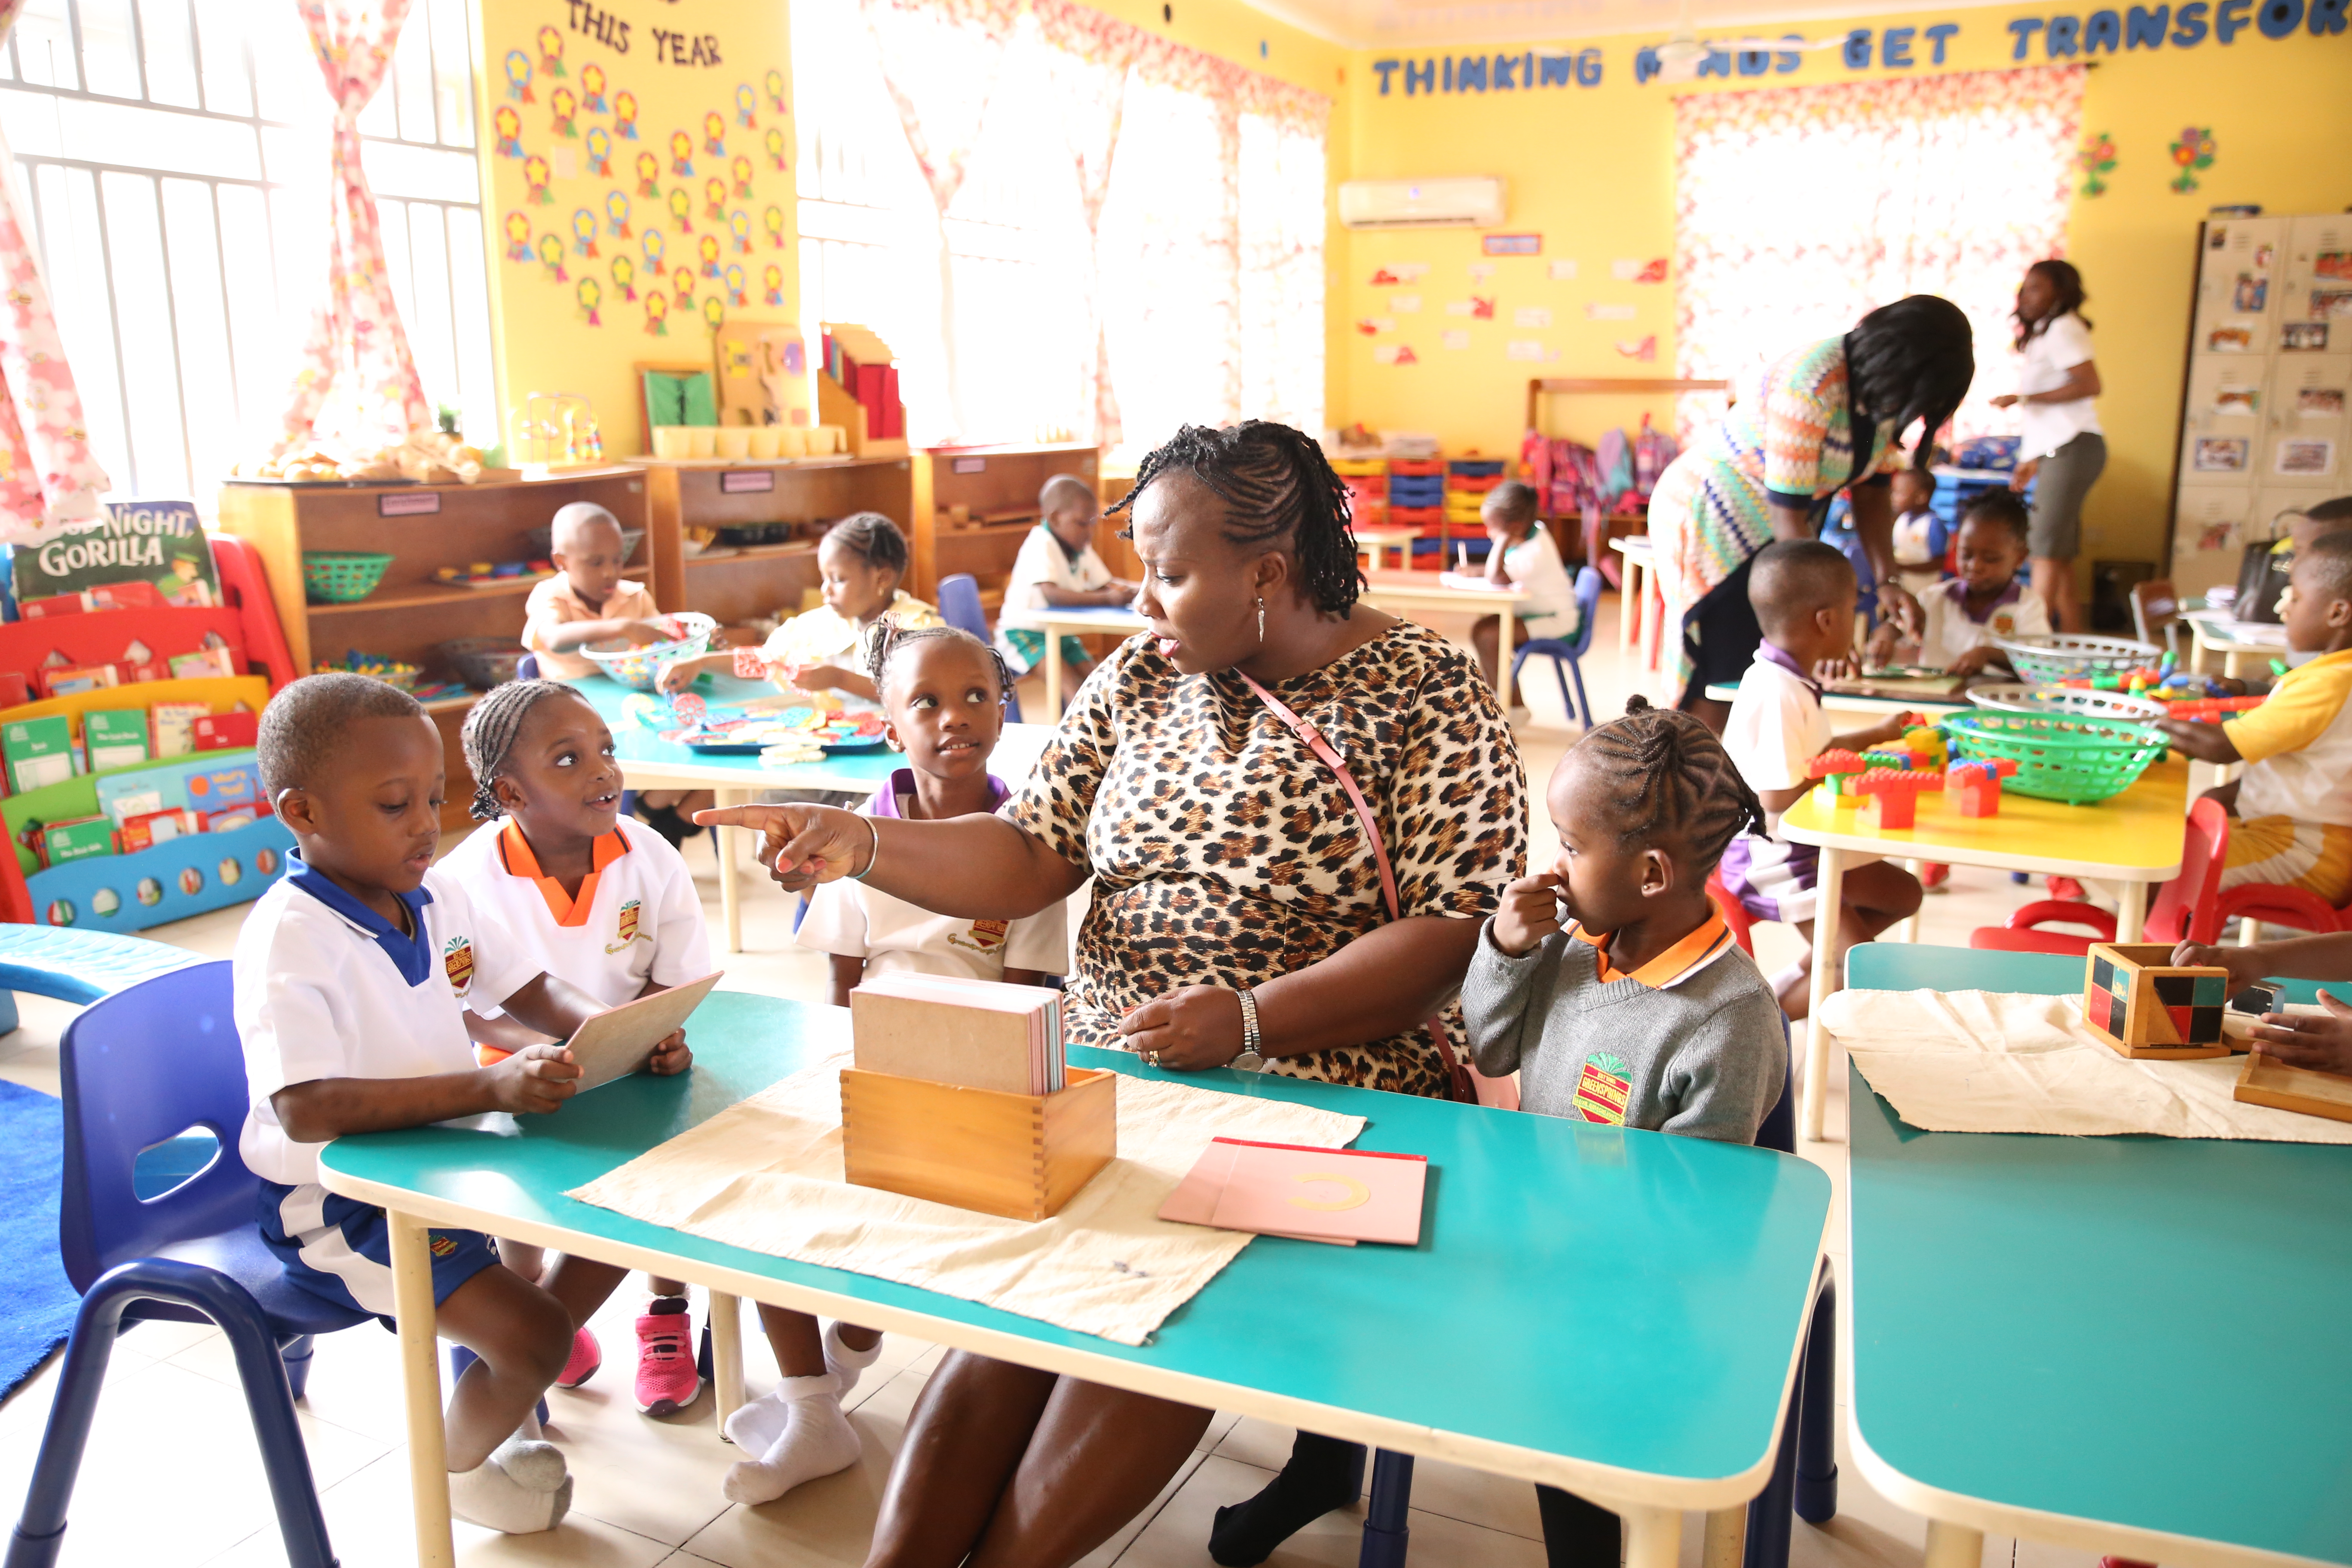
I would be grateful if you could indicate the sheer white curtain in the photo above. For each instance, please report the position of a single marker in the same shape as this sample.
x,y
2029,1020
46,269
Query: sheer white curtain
x,y
1799,209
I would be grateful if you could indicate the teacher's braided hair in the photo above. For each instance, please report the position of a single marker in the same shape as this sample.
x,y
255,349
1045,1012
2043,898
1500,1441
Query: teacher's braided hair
x,y
491,733
1911,361
1278,489
1677,778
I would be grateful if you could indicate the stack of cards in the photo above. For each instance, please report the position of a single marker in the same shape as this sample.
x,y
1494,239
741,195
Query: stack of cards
x,y
1345,1195
976,1034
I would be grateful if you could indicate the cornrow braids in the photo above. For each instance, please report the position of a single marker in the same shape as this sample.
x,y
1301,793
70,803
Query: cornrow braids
x,y
1677,780
1279,489
491,733
886,639
873,539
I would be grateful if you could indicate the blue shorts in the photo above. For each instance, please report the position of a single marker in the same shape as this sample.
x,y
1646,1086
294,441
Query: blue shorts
x,y
341,1248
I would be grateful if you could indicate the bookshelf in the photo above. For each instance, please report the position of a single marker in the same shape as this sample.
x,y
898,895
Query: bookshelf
x,y
998,485
742,583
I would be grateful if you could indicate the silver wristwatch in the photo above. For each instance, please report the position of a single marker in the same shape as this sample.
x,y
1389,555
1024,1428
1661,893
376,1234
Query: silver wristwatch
x,y
1249,1060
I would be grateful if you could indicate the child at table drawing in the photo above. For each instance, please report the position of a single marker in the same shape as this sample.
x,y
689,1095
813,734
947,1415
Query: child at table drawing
x,y
861,562
352,975
586,601
602,902
1057,569
2291,810
1803,594
1964,615
1520,554
1611,985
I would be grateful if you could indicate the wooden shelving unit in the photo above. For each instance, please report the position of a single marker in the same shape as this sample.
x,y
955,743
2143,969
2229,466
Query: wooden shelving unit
x,y
811,493
987,479
409,614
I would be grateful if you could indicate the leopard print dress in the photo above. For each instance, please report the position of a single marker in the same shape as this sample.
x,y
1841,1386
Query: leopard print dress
x,y
1225,853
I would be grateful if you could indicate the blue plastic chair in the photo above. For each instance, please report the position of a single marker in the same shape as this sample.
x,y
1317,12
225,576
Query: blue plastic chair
x,y
141,1068
1569,650
526,667
959,607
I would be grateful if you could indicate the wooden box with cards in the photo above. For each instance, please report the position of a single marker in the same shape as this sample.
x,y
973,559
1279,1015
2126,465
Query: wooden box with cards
x,y
958,1095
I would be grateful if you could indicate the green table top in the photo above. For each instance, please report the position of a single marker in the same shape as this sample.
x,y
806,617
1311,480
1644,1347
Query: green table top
x,y
1581,1296
2139,1332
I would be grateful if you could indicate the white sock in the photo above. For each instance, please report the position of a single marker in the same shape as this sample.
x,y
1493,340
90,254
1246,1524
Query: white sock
x,y
757,1423
489,1496
535,1464
844,1363
817,1440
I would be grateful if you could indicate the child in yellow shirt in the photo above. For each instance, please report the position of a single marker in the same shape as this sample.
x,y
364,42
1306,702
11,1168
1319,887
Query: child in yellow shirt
x,y
2291,810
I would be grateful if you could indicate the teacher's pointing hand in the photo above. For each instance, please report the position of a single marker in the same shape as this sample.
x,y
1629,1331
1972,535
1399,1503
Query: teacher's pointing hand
x,y
803,844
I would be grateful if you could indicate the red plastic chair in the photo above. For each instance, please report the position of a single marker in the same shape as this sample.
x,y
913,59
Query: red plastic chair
x,y
2188,908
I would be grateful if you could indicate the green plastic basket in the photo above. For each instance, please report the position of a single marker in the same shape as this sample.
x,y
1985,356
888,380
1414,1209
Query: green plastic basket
x,y
2077,761
2046,660
340,576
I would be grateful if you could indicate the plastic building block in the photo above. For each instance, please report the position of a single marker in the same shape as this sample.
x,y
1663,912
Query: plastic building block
x,y
1974,789
1927,745
1837,770
1892,796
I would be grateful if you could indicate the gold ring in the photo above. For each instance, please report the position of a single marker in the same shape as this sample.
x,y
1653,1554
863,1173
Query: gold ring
x,y
1152,1058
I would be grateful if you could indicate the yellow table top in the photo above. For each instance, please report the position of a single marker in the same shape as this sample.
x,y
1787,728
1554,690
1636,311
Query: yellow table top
x,y
2134,836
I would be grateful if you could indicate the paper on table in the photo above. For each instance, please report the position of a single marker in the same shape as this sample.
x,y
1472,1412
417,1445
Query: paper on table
x,y
1306,1192
1194,1201
619,1040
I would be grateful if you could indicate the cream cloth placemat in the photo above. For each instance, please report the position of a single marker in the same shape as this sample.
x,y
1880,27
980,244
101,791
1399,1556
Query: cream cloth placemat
x,y
1993,1061
765,1174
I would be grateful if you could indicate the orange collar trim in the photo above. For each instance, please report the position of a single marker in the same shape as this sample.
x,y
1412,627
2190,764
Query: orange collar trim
x,y
514,853
1686,956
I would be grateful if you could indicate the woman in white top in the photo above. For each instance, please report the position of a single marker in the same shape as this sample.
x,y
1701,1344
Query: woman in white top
x,y
2061,443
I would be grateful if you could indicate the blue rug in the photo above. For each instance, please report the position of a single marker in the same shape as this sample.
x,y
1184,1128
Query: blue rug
x,y
41,1303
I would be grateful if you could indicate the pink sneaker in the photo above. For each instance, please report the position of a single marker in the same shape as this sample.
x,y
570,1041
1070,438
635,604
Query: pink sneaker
x,y
587,1355
666,1381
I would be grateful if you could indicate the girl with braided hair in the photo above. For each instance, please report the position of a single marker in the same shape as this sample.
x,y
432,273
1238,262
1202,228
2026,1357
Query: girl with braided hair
x,y
1611,985
602,902
1238,915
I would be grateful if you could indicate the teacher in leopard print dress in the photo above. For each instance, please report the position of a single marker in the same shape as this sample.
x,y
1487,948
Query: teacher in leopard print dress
x,y
1238,904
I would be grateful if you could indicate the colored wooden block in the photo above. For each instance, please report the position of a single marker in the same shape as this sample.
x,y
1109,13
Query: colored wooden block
x,y
2149,1009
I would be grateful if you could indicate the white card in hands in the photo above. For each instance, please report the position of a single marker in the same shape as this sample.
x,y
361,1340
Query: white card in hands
x,y
621,1040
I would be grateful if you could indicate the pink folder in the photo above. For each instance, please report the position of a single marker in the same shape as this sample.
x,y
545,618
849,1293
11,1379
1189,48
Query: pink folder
x,y
1316,1194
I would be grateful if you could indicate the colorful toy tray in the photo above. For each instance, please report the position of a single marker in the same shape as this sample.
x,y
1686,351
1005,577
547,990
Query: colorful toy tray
x,y
2046,660
2067,702
636,668
2062,758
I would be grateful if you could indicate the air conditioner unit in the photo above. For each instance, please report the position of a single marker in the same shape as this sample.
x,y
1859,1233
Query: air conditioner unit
x,y
1421,204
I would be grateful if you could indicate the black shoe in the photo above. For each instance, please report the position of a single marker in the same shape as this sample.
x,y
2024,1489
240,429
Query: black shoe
x,y
666,821
1324,1473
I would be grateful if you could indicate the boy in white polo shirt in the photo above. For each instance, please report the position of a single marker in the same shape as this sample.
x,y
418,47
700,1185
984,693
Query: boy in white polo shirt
x,y
1059,568
352,975
599,901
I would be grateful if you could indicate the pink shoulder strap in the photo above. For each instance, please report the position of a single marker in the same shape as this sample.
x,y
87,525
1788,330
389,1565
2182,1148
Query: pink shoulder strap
x,y
1329,756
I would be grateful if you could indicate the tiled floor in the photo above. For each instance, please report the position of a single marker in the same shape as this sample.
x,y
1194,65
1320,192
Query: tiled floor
x,y
173,1474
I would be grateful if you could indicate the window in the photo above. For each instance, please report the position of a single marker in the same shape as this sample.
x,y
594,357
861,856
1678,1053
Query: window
x,y
172,159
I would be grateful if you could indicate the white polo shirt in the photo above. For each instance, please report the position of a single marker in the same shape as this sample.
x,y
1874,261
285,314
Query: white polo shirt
x,y
325,988
2049,357
636,917
1951,631
1535,569
851,920
1044,562
1776,727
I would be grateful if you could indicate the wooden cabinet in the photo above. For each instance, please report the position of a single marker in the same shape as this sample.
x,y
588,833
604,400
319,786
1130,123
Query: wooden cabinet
x,y
423,527
739,583
998,487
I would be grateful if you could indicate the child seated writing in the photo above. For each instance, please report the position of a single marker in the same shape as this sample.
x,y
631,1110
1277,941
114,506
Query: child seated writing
x,y
1611,985
1520,554
1803,593
351,977
861,562
602,903
1964,615
2291,810
586,601
1057,569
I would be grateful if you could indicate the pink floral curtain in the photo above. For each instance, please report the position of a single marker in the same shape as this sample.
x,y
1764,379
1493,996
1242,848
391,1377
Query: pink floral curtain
x,y
1097,57
357,388
48,480
1799,209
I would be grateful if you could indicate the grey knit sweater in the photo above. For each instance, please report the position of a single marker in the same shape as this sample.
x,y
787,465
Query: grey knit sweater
x,y
1706,1056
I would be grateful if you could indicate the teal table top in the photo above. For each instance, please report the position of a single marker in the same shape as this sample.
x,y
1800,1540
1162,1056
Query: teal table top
x,y
1586,1304
2142,1334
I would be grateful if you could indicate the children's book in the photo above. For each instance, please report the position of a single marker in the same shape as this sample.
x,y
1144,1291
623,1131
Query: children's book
x,y
976,1034
1316,1194
39,752
174,726
159,545
62,842
115,737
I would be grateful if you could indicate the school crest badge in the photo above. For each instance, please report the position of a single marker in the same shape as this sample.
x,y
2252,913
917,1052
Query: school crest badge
x,y
457,964
985,936
442,1245
626,932
2004,623
1602,1089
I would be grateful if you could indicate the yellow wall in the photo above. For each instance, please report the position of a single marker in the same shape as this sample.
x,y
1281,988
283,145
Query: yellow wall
x,y
543,339
1593,170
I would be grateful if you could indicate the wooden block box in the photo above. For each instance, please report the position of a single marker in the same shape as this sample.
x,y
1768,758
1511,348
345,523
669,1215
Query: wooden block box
x,y
2150,1010
2266,1081
1022,1156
